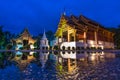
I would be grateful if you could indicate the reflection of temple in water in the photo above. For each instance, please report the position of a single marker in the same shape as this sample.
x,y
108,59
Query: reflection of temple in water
x,y
80,32
24,41
44,46
45,55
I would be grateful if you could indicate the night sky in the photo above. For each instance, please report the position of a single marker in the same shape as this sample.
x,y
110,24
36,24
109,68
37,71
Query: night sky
x,y
36,15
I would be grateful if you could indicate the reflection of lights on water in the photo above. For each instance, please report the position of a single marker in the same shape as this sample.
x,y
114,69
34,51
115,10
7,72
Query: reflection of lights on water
x,y
30,66
93,54
26,72
30,69
60,60
101,56
82,59
38,72
31,53
32,47
92,57
18,53
102,53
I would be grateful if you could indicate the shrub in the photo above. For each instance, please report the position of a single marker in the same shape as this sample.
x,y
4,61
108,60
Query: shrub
x,y
50,48
56,47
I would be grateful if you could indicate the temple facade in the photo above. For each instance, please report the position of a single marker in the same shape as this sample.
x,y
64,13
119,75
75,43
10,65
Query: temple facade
x,y
84,31
24,40
43,46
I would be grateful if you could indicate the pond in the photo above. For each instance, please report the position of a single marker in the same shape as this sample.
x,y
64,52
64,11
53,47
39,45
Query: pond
x,y
102,69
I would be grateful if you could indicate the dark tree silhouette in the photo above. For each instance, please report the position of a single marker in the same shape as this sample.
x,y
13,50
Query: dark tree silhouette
x,y
2,38
116,36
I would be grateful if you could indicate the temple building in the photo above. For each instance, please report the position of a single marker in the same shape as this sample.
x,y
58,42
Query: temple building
x,y
84,30
44,41
44,46
81,32
24,40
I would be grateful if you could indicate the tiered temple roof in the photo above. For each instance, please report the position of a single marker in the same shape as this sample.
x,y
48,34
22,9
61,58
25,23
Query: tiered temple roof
x,y
80,23
25,35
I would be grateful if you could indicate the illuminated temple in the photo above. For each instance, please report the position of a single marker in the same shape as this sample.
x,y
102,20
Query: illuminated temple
x,y
24,40
84,31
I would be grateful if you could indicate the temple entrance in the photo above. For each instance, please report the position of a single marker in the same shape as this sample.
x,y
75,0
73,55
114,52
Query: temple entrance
x,y
71,37
65,36
25,42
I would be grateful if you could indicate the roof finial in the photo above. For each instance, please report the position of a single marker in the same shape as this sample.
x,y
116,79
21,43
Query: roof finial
x,y
64,13
44,35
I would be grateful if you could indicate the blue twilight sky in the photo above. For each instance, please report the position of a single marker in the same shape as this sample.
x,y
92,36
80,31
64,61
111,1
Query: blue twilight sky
x,y
15,15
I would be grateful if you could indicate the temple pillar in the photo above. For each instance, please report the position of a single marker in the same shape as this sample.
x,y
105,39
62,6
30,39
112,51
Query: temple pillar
x,y
85,40
61,35
75,62
85,37
69,66
68,36
103,38
69,62
96,41
74,35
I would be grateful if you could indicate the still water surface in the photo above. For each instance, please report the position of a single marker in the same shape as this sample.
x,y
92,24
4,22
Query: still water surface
x,y
102,69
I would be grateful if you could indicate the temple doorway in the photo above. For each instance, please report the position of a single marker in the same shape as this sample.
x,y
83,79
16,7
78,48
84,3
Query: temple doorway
x,y
25,42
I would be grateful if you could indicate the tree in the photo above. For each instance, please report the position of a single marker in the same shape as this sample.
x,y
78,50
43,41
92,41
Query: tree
x,y
2,37
116,36
50,35
8,37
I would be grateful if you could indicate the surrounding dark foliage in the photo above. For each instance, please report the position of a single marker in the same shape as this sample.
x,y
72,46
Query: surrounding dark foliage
x,y
116,36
